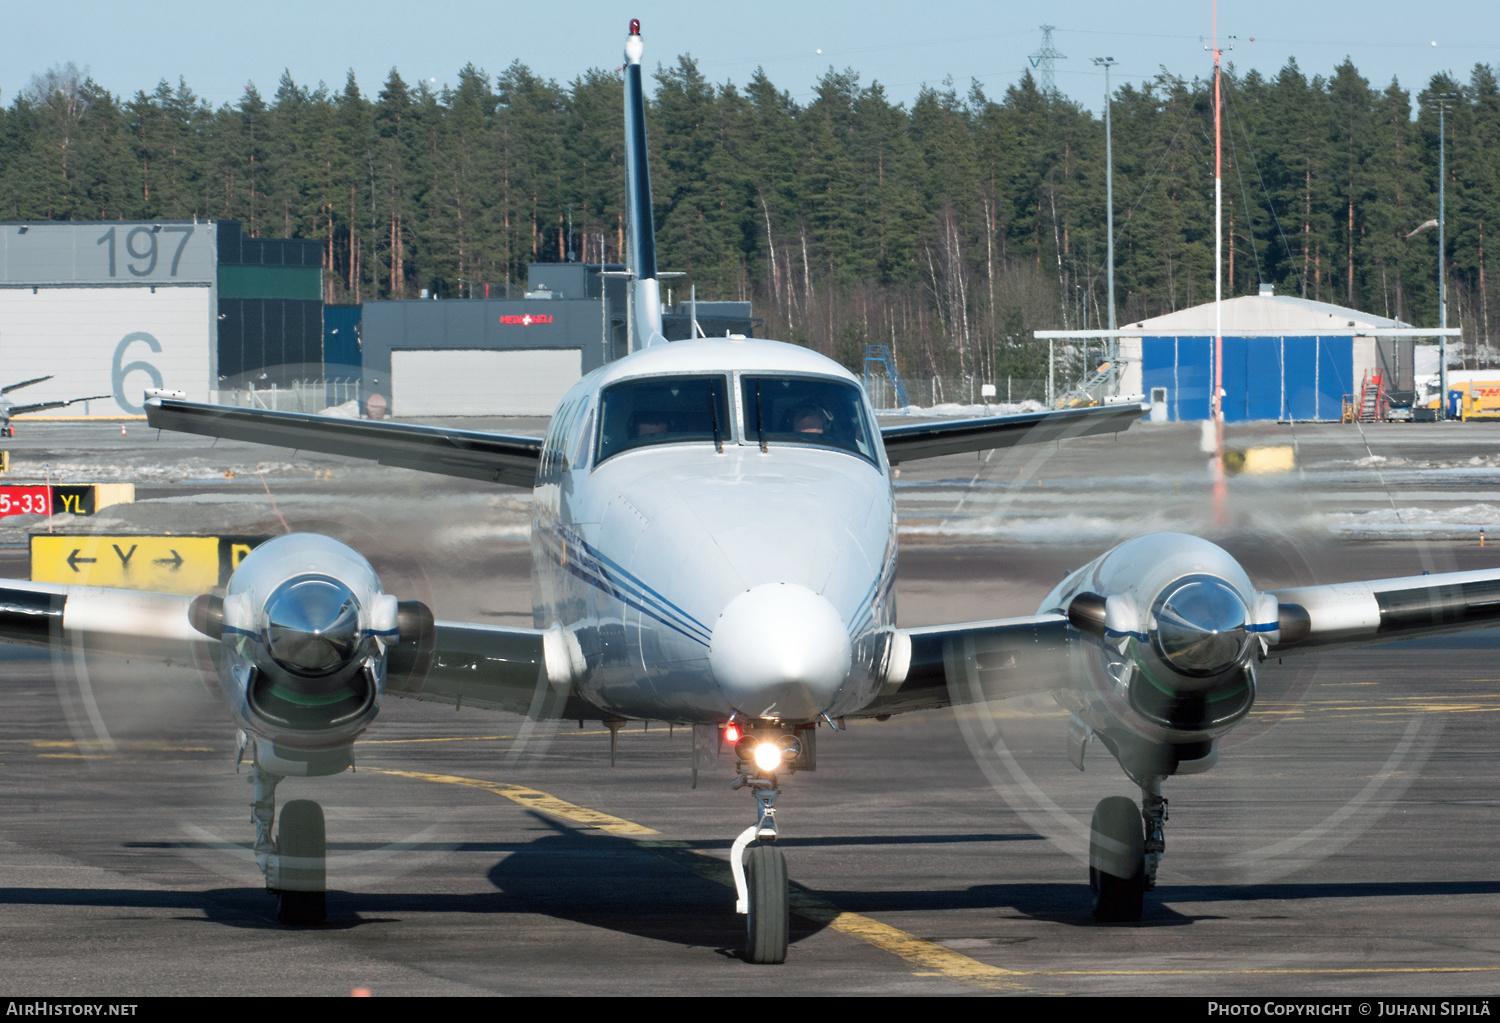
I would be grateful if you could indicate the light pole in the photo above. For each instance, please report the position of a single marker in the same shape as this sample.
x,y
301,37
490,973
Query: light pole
x,y
1443,99
1109,205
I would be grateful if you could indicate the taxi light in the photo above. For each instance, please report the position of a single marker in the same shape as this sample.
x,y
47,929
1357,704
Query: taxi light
x,y
768,756
731,732
791,748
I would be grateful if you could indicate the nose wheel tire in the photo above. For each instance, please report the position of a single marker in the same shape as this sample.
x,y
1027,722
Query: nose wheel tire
x,y
1117,860
302,849
766,925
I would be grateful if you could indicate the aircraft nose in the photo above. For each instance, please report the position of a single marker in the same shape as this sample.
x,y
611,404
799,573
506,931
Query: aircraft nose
x,y
780,650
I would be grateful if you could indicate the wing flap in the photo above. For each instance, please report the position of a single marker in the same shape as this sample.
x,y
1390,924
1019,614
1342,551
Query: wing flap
x,y
488,666
907,441
470,454
954,665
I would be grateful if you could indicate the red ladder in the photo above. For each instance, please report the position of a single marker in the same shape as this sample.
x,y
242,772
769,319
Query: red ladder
x,y
1373,404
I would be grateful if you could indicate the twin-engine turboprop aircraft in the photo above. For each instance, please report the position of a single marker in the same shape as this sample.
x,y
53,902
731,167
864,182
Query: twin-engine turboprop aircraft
x,y
714,544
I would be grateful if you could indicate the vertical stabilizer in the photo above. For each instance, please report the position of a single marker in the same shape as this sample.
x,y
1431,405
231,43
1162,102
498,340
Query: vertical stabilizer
x,y
645,291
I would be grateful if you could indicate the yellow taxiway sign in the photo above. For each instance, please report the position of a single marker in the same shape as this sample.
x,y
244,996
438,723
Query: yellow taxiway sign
x,y
167,564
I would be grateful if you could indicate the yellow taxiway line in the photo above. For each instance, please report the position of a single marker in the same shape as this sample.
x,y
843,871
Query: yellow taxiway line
x,y
932,959
533,799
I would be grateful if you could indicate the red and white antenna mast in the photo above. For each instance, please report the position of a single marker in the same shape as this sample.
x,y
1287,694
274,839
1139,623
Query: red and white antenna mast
x,y
1216,399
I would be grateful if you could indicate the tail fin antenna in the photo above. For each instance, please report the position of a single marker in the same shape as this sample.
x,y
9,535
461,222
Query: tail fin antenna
x,y
645,289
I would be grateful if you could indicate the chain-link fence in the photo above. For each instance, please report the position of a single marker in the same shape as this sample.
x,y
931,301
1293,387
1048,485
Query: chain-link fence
x,y
297,396
929,392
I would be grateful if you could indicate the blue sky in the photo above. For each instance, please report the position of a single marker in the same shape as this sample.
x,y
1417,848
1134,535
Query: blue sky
x,y
904,46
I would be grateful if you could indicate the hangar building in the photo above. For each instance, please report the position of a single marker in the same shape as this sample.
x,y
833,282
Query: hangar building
x,y
1284,358
114,307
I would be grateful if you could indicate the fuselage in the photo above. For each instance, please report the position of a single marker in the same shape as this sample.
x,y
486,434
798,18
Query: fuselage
x,y
717,550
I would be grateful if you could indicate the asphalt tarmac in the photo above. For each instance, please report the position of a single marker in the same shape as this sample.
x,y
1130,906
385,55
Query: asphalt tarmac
x,y
1342,846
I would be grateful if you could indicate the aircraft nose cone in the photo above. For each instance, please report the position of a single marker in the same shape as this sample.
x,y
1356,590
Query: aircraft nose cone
x,y
780,651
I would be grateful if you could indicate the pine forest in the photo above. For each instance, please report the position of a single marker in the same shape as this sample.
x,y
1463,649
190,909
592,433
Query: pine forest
x,y
949,229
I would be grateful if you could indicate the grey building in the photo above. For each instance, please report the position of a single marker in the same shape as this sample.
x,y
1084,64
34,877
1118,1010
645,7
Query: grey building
x,y
509,356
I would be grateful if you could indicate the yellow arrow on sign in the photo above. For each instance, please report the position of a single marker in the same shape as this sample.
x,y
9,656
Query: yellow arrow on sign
x,y
166,564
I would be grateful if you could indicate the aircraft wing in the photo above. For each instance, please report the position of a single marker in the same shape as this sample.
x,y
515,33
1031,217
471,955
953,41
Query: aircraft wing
x,y
127,623
906,441
974,661
470,454
1385,610
458,664
21,410
24,383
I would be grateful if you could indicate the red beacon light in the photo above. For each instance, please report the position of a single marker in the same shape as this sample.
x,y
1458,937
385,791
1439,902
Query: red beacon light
x,y
635,26
731,732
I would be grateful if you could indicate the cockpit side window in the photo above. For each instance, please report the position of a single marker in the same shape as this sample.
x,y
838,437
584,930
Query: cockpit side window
x,y
554,447
663,410
583,436
807,410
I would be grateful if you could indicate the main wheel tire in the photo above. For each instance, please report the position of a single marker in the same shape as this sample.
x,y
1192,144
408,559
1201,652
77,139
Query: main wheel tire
x,y
302,845
767,923
1117,860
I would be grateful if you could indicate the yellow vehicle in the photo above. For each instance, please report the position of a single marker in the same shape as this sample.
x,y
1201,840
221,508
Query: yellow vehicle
x,y
1478,399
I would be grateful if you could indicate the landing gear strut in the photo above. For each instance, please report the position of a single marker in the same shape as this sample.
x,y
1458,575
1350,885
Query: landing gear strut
x,y
295,862
759,867
1125,850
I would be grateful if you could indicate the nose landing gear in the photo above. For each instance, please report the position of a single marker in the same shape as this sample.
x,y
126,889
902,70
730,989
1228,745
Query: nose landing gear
x,y
759,868
1125,849
760,880
295,863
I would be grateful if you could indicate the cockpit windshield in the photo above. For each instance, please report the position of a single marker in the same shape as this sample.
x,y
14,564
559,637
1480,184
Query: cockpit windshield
x,y
806,410
663,410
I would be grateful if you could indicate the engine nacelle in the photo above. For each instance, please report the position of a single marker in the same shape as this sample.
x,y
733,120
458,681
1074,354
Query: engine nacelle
x,y
1178,627
305,628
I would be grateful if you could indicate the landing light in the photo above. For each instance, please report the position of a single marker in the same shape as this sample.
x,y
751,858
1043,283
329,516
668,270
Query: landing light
x,y
768,756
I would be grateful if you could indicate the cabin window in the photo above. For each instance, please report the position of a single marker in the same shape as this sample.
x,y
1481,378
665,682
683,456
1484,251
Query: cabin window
x,y
807,410
663,410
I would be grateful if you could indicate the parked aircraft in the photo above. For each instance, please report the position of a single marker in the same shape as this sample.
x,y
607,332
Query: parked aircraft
x,y
9,408
714,544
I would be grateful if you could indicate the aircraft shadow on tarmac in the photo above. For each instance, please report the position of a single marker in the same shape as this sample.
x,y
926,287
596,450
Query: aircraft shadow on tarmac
x,y
661,893
1069,904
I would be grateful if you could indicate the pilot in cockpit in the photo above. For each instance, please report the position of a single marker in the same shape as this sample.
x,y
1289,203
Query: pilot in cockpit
x,y
648,424
811,419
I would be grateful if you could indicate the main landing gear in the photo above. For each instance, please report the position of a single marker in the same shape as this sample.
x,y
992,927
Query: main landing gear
x,y
759,868
295,862
1125,849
